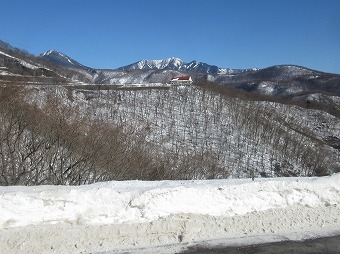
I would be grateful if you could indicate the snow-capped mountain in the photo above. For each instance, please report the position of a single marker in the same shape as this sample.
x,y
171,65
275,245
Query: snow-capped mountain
x,y
177,64
61,59
170,63
17,65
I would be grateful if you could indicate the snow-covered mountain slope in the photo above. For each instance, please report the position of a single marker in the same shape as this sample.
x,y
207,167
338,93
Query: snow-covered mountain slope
x,y
20,61
61,59
15,66
283,81
170,63
177,64
164,216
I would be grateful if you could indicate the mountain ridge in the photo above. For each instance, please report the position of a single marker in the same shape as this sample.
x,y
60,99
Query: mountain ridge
x,y
172,63
175,63
289,81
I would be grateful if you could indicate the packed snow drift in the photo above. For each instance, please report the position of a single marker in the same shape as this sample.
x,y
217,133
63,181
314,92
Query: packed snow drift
x,y
136,215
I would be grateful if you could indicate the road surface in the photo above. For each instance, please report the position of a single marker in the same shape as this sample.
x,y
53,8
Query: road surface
x,y
326,245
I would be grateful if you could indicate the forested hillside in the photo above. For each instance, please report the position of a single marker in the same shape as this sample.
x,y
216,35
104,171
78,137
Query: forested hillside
x,y
83,134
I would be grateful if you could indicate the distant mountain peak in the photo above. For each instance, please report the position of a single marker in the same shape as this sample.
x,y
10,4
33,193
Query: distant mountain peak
x,y
61,59
174,63
50,52
169,63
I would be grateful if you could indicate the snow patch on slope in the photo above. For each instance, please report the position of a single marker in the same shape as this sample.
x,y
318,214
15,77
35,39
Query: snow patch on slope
x,y
22,62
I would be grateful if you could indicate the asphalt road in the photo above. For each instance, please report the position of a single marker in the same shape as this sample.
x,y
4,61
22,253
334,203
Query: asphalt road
x,y
326,245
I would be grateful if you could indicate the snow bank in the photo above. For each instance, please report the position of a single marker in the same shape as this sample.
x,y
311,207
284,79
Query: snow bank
x,y
133,214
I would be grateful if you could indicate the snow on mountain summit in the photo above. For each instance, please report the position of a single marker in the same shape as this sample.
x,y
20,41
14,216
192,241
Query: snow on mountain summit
x,y
170,63
177,64
47,53
60,58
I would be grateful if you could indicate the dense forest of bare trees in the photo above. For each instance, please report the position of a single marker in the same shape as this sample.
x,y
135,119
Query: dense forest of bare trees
x,y
54,145
68,135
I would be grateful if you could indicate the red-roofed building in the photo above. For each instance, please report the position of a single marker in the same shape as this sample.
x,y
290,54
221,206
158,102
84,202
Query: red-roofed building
x,y
181,81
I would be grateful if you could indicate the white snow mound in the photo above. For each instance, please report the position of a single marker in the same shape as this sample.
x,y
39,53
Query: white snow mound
x,y
168,212
137,201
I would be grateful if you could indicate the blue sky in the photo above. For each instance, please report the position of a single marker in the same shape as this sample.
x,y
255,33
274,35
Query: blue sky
x,y
227,33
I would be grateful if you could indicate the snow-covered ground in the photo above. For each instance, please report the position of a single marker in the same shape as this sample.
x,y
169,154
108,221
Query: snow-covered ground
x,y
164,216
